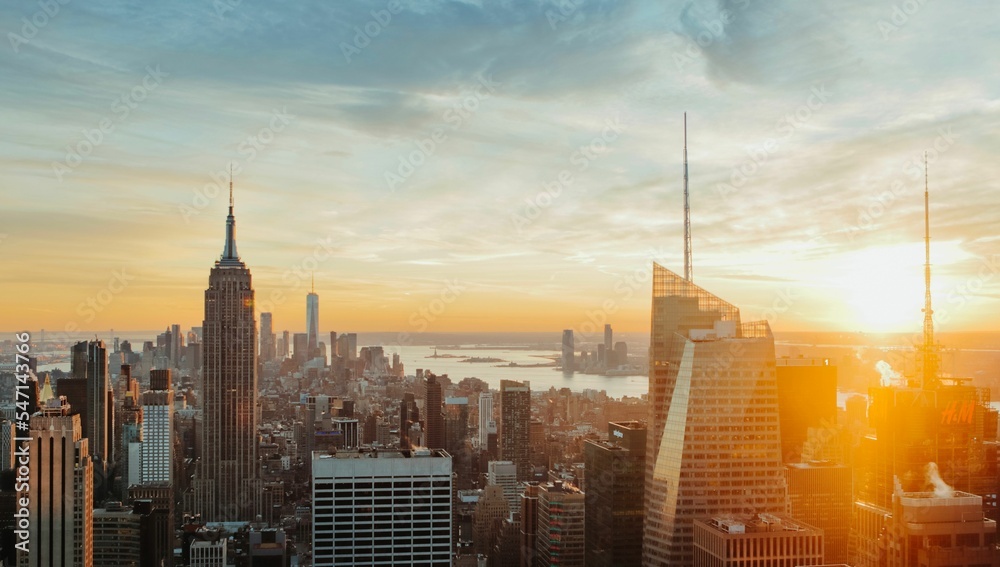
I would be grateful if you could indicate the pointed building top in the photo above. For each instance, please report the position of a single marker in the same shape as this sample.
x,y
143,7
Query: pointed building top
x,y
46,393
229,255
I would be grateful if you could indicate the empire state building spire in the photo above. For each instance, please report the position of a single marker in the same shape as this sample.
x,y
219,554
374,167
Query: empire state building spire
x,y
229,254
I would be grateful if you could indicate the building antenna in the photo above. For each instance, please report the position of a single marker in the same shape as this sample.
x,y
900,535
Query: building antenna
x,y
930,358
230,188
687,209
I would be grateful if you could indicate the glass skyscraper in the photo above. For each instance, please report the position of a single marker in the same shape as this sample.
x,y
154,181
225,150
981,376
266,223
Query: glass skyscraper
x,y
713,444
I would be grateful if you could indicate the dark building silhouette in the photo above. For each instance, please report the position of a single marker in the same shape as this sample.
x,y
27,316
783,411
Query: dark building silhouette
x,y
434,416
807,397
614,489
515,423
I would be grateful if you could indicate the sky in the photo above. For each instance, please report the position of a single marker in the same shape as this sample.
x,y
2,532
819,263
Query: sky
x,y
509,165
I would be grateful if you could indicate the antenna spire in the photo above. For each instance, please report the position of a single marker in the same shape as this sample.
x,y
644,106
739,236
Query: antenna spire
x,y
229,251
313,283
930,355
687,209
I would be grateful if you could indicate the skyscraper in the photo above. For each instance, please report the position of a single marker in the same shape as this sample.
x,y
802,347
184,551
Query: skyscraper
x,y
382,508
267,346
568,363
515,420
90,364
157,429
60,490
228,475
486,421
608,346
561,516
615,473
312,322
433,417
713,444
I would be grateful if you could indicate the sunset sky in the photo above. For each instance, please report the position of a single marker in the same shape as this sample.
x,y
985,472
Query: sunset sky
x,y
424,159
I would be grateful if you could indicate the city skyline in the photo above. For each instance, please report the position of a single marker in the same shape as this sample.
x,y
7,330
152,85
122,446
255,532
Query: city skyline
x,y
817,226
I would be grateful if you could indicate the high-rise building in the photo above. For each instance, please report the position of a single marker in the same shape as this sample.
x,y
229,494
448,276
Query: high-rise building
x,y
820,494
613,485
267,346
528,528
157,429
714,414
608,346
485,417
621,353
433,413
300,347
130,461
568,362
515,419
117,536
382,508
491,510
7,444
285,344
312,323
90,365
561,517
155,503
504,475
762,539
940,529
409,415
176,345
807,397
228,484
60,490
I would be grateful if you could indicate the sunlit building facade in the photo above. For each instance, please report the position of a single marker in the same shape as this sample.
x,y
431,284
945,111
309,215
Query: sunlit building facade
x,y
228,482
713,443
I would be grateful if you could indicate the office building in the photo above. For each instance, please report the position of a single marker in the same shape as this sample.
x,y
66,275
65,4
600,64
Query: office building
x,y
312,323
762,539
807,398
434,416
561,517
568,362
939,529
61,497
409,416
117,536
227,483
713,411
491,510
820,493
382,508
486,421
89,393
614,489
268,349
528,525
157,429
504,475
515,419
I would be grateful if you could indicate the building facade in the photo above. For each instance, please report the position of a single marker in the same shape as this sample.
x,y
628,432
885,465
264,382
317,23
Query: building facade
x,y
382,508
227,483
515,420
713,445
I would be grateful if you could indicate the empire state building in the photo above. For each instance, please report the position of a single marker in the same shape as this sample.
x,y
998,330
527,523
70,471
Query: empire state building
x,y
227,487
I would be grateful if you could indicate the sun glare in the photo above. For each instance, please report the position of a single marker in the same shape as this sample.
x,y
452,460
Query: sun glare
x,y
883,288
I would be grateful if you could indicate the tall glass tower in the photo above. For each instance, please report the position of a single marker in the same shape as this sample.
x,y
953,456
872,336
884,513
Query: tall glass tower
x,y
227,488
713,443
312,323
